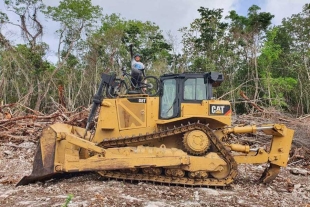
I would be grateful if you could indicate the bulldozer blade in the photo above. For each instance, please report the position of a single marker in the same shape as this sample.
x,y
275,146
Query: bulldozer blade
x,y
270,173
43,164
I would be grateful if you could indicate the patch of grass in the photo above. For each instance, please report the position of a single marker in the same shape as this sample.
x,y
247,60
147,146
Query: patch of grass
x,y
68,199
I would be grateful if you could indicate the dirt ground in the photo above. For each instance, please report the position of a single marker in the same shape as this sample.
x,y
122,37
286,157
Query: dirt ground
x,y
290,188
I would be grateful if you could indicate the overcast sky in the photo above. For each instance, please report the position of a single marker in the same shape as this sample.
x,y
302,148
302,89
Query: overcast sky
x,y
171,15
174,14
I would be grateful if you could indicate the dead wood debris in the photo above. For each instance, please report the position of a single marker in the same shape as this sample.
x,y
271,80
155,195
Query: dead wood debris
x,y
20,127
251,102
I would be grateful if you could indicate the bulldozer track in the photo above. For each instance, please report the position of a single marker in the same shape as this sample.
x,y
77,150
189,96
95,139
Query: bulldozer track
x,y
224,153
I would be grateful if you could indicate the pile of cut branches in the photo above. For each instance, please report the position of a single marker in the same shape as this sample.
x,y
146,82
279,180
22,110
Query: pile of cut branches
x,y
19,123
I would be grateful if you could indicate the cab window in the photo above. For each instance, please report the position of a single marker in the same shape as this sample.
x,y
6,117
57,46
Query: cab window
x,y
194,89
168,98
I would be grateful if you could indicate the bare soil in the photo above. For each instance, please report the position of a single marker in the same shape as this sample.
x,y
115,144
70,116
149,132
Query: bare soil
x,y
290,188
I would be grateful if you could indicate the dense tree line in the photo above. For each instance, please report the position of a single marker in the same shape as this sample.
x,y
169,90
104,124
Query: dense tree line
x,y
269,63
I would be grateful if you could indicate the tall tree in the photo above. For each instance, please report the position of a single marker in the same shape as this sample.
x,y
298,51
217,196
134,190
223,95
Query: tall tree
x,y
294,38
25,61
248,33
204,40
76,18
278,87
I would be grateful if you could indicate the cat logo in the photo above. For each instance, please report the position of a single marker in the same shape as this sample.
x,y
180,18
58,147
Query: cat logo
x,y
220,109
217,109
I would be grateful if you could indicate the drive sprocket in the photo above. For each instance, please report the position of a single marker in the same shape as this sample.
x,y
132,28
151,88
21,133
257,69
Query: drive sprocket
x,y
196,142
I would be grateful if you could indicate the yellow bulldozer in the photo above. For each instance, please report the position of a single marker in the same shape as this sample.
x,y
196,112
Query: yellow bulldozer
x,y
180,137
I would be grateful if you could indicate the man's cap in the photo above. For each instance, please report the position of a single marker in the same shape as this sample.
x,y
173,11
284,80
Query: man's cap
x,y
136,55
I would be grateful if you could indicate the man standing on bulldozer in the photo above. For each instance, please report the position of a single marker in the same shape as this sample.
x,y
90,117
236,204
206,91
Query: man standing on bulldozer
x,y
137,69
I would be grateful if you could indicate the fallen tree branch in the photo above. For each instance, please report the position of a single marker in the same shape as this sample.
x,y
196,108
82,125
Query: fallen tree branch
x,y
35,112
282,119
234,89
6,105
306,116
251,102
30,117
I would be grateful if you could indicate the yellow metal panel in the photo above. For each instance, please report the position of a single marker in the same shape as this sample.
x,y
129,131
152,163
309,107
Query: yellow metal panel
x,y
210,162
194,109
280,148
120,118
131,114
253,157
152,112
107,115
100,163
107,126
202,110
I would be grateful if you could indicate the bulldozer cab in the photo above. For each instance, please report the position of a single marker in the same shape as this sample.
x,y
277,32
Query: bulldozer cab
x,y
185,88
